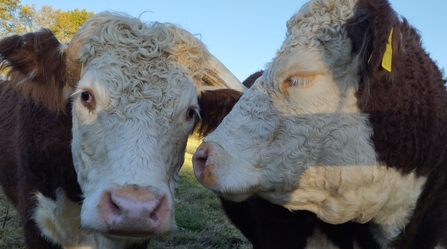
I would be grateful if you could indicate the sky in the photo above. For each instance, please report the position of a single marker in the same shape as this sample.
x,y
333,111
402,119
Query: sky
x,y
245,34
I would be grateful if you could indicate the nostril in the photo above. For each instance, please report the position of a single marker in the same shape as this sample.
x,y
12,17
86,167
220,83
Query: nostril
x,y
109,205
200,156
154,217
114,205
199,161
159,210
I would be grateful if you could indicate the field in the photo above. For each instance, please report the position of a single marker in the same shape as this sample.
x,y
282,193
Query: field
x,y
201,222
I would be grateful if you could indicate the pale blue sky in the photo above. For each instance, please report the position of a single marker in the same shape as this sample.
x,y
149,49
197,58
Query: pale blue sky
x,y
245,35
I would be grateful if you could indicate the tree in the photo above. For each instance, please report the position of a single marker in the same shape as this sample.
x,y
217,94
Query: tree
x,y
19,19
8,9
67,23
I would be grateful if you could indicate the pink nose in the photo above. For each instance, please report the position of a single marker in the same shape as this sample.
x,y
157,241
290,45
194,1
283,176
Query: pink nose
x,y
132,211
203,166
199,160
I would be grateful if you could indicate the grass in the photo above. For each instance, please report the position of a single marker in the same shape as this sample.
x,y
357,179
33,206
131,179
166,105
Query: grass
x,y
200,219
10,229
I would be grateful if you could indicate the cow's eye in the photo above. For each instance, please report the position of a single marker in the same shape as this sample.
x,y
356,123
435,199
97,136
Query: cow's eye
x,y
88,100
190,114
85,96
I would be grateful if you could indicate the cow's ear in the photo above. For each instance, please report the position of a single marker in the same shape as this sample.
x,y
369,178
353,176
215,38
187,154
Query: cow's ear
x,y
35,65
214,106
374,32
252,78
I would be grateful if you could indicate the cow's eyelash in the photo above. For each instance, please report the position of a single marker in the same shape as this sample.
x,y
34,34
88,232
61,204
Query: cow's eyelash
x,y
301,82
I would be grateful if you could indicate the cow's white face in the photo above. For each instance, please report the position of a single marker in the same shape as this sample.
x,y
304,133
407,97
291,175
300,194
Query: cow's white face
x,y
131,135
133,109
300,113
296,116
297,138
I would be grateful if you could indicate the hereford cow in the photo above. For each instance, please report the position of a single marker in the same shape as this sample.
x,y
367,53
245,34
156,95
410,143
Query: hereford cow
x,y
268,225
348,122
93,134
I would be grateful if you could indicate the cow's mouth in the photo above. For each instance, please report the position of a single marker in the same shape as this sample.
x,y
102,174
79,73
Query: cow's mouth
x,y
231,196
127,234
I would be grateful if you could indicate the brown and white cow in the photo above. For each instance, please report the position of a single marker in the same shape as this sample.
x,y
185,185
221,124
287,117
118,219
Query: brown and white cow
x,y
93,134
267,225
347,122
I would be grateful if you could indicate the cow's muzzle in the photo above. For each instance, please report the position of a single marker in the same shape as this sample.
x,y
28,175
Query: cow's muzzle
x,y
132,211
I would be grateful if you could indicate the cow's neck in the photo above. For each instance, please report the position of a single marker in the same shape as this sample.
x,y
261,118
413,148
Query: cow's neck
x,y
350,184
384,197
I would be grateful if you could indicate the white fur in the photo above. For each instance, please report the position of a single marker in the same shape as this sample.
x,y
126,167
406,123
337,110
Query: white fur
x,y
142,79
301,140
59,222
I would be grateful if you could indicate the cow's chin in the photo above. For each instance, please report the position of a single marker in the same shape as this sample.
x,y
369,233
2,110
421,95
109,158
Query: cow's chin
x,y
233,196
133,238
273,196
137,237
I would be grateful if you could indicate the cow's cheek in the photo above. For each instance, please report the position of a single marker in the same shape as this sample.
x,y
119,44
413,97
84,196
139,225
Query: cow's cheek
x,y
87,154
233,180
227,161
83,136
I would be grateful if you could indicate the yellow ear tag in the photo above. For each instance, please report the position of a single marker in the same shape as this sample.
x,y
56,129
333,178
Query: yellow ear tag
x,y
388,55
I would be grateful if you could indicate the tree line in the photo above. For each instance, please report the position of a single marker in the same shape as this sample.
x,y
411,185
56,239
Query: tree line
x,y
16,18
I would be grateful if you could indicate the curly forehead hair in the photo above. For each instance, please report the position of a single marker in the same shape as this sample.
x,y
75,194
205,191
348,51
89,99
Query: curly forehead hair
x,y
141,42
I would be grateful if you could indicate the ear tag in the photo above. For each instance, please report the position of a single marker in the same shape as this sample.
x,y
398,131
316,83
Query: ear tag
x,y
388,55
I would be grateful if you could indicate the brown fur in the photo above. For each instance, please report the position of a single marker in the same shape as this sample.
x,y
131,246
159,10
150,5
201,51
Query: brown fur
x,y
36,64
35,156
408,112
248,82
214,106
267,225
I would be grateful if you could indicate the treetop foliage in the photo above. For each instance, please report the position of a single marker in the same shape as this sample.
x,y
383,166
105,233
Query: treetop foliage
x,y
16,18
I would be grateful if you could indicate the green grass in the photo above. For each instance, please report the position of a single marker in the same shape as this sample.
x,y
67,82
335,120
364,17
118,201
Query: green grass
x,y
10,229
200,219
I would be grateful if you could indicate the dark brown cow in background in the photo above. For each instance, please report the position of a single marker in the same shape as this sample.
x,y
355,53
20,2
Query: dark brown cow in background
x,y
248,82
93,134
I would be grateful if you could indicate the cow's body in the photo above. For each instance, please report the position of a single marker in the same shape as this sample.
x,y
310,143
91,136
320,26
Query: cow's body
x,y
332,128
93,134
268,225
38,141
